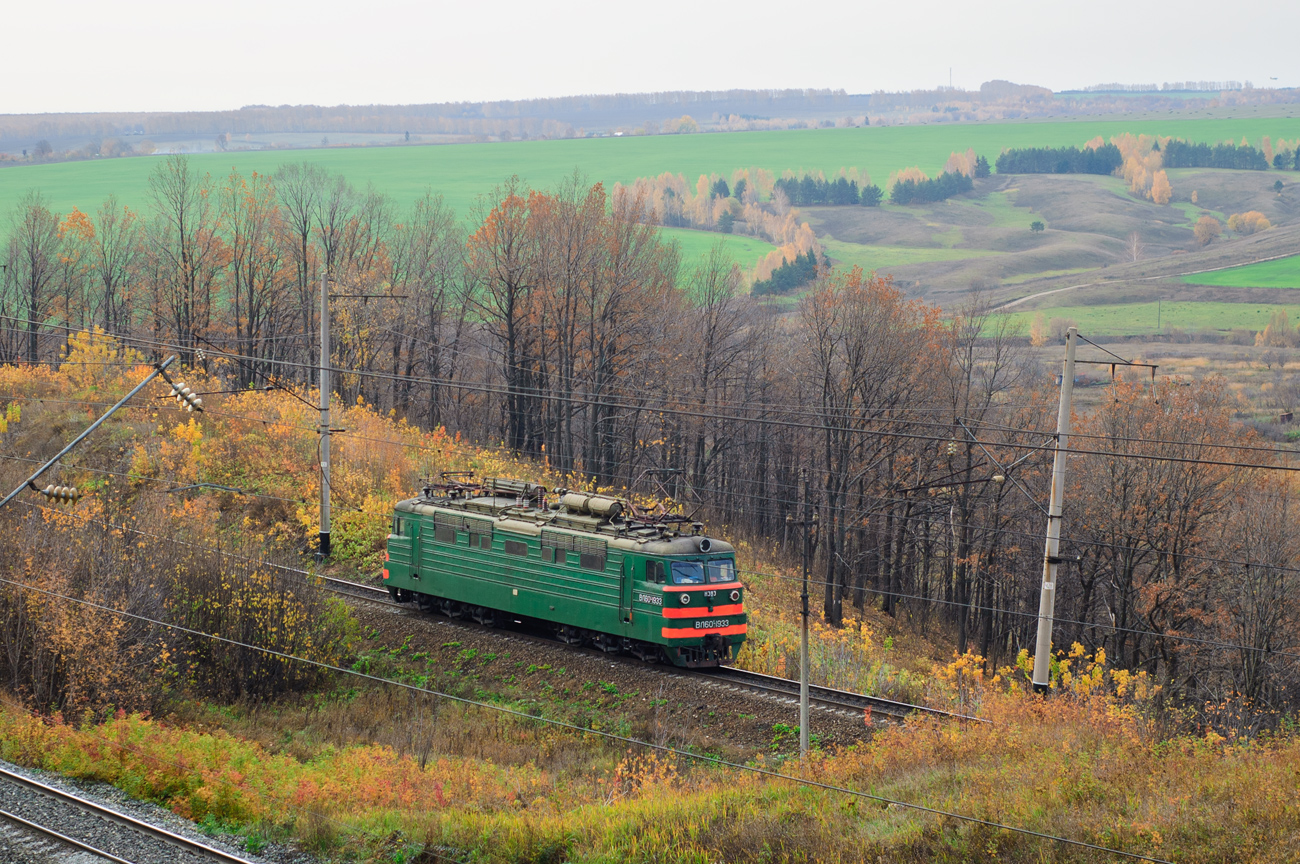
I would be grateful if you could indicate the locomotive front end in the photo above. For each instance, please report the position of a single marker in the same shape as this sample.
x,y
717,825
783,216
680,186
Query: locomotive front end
x,y
703,618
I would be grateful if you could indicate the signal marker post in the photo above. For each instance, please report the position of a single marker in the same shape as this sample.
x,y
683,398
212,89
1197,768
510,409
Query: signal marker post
x,y
1051,559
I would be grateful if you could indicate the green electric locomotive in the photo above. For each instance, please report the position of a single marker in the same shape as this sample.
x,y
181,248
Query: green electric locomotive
x,y
596,569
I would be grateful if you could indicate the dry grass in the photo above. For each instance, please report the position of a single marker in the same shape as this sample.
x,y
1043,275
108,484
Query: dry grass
x,y
1083,764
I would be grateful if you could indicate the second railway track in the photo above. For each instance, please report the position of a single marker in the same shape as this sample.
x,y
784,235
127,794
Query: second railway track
x,y
45,823
827,698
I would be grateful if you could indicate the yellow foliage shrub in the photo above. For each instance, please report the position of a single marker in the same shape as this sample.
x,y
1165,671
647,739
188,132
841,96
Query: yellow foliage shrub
x,y
1250,222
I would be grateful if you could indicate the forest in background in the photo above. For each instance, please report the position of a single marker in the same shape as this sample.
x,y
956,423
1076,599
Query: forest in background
x,y
562,327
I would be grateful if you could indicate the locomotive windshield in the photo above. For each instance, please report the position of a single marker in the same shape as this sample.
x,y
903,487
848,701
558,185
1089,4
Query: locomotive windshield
x,y
698,572
688,572
722,570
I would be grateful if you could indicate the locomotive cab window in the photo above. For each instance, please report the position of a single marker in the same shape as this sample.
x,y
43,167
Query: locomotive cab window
x,y
397,525
722,570
654,571
688,573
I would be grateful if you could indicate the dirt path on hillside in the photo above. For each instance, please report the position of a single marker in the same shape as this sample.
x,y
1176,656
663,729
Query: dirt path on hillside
x,y
1020,300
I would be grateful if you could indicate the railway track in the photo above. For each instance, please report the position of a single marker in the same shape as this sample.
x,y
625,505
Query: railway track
x,y
43,823
829,698
844,702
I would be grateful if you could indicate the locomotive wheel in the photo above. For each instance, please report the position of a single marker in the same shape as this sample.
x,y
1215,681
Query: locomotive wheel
x,y
486,617
569,635
606,643
424,602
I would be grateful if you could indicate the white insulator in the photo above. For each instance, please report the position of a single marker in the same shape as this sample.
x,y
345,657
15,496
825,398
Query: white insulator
x,y
185,391
49,491
198,401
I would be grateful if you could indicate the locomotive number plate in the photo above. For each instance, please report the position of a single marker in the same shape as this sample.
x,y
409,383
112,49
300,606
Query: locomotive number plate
x,y
652,599
710,623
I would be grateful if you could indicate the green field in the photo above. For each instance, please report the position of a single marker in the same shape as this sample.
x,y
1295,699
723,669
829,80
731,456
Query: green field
x,y
463,172
1282,273
1139,319
696,244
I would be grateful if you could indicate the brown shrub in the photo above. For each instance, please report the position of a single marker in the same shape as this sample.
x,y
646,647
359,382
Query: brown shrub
x,y
1207,228
64,647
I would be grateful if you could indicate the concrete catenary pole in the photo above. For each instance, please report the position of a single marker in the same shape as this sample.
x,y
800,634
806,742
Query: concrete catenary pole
x,y
1051,560
324,417
803,627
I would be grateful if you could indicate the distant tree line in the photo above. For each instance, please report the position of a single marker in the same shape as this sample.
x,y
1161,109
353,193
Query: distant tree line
x,y
1184,154
791,275
1061,160
809,190
946,185
1168,86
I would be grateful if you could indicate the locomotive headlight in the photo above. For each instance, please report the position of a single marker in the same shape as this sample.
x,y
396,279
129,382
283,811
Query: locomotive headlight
x,y
686,598
735,596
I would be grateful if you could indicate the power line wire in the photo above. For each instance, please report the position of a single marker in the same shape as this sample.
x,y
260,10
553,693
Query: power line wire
x,y
506,390
843,510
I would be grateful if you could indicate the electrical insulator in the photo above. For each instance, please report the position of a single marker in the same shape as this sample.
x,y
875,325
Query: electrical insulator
x,y
952,448
185,397
999,478
203,355
62,493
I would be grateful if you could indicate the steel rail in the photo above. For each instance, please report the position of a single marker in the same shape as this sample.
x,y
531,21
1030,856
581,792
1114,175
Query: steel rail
x,y
130,822
826,697
62,838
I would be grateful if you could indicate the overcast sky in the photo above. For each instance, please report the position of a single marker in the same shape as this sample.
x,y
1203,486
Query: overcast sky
x,y
132,55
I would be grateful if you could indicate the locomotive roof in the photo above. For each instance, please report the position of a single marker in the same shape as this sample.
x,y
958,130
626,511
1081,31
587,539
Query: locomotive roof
x,y
518,516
